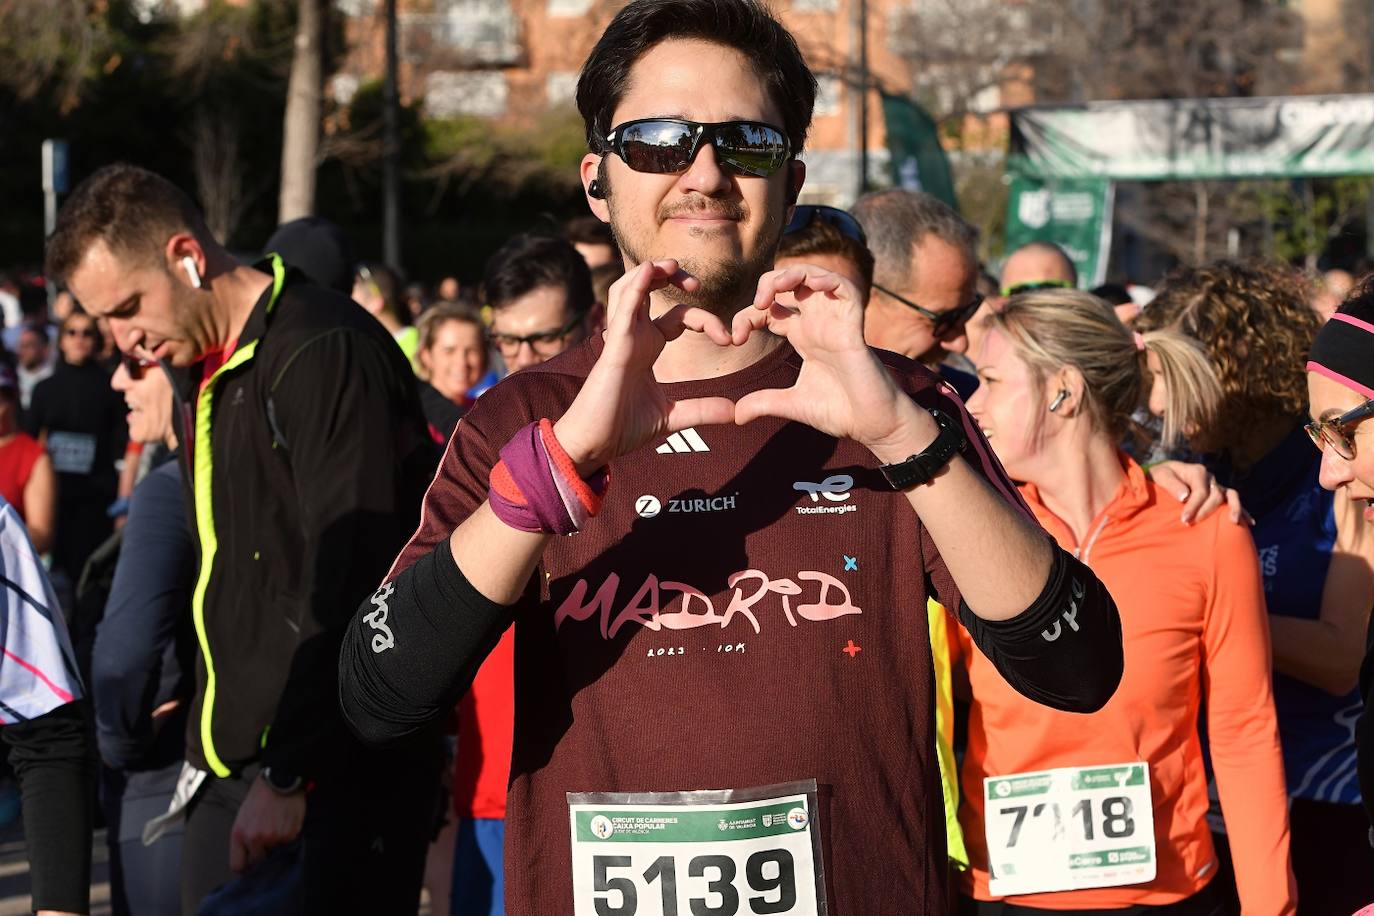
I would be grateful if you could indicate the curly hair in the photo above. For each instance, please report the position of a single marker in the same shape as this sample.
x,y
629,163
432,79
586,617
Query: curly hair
x,y
1255,324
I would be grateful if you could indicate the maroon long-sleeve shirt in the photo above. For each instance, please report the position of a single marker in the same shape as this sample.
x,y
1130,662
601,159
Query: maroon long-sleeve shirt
x,y
748,609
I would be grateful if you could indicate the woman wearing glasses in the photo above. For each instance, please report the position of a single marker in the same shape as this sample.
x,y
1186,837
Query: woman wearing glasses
x,y
1121,825
1316,554
1340,386
81,423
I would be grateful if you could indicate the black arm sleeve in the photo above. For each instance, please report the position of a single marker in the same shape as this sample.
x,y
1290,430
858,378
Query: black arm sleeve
x,y
414,647
52,758
1064,651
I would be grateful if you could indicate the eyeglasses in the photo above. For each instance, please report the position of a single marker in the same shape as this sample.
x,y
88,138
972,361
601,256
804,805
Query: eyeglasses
x,y
1337,433
941,322
136,366
1034,285
543,343
92,333
842,222
666,146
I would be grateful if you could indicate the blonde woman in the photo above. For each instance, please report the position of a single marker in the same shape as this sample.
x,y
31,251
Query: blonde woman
x,y
1122,818
453,356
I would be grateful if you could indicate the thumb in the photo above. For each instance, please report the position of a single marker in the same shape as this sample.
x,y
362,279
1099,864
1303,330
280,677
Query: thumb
x,y
700,412
769,402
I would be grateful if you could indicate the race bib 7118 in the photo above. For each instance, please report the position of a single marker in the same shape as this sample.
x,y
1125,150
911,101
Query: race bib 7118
x,y
1074,827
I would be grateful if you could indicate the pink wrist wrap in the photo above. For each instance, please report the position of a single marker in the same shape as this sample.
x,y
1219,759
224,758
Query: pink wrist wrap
x,y
535,486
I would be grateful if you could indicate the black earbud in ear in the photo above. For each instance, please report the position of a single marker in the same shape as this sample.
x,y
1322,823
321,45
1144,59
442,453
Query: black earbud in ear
x,y
792,190
595,190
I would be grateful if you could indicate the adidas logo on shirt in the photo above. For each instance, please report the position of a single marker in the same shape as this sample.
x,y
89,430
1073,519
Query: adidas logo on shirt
x,y
686,441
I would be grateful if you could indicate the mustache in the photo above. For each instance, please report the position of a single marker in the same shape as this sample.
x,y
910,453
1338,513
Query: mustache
x,y
703,209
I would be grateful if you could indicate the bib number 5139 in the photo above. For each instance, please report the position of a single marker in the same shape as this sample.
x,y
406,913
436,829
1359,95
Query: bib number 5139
x,y
769,874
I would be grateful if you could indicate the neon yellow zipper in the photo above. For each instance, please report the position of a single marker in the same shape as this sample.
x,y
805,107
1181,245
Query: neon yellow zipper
x,y
205,524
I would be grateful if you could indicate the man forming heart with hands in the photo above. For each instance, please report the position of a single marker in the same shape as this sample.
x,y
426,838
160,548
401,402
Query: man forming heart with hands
x,y
761,508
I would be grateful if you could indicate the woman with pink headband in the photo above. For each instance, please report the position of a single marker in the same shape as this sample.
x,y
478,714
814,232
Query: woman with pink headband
x,y
1340,386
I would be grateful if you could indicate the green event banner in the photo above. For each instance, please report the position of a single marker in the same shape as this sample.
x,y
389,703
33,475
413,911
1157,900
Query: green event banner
x,y
916,160
1182,139
1073,213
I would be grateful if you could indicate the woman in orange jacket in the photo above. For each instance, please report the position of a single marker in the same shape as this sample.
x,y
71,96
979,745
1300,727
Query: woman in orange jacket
x,y
1108,811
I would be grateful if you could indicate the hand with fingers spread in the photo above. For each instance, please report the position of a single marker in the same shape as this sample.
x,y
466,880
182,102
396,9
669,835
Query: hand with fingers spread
x,y
621,405
842,389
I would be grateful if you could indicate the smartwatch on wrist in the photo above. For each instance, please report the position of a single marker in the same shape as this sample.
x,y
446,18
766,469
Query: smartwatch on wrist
x,y
282,783
922,468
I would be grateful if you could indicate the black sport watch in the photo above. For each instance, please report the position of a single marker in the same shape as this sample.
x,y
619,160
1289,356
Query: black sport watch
x,y
282,783
919,469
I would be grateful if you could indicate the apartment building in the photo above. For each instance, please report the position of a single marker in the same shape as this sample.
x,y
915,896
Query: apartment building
x,y
512,60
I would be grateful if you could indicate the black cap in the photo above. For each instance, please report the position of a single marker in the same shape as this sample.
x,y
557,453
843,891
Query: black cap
x,y
317,248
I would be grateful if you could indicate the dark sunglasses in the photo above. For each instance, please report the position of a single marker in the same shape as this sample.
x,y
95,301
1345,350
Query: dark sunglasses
x,y
941,322
1034,285
136,366
666,146
1337,432
843,223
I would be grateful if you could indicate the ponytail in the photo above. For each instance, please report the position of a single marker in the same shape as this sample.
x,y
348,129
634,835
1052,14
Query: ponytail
x,y
1054,328
1193,389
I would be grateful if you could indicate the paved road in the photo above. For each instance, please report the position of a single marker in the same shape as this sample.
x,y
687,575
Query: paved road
x,y
14,875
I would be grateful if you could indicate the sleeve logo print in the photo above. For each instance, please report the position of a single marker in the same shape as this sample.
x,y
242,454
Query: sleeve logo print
x,y
377,620
1071,615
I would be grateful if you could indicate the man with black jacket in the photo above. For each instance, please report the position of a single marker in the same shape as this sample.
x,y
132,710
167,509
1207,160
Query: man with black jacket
x,y
307,456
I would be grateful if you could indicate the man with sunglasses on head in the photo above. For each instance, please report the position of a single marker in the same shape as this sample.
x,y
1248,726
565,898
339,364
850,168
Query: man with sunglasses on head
x,y
925,278
539,289
306,458
723,681
1033,266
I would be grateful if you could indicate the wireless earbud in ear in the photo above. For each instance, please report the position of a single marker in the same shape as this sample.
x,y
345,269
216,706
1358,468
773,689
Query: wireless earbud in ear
x,y
188,264
1059,399
595,190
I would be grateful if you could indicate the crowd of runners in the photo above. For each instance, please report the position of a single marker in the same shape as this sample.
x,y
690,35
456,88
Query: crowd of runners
x,y
721,554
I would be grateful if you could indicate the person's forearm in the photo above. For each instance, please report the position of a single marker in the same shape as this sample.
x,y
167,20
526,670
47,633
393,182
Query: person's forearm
x,y
497,559
1315,652
977,531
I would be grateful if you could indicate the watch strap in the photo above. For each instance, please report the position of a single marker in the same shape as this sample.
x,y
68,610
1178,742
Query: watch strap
x,y
282,783
922,468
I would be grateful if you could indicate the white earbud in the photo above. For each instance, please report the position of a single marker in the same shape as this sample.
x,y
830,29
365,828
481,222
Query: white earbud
x,y
188,263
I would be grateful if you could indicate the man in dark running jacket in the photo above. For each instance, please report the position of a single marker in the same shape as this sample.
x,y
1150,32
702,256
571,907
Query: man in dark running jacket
x,y
307,456
724,695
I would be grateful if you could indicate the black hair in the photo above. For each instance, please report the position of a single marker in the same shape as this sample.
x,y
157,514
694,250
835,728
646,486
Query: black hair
x,y
745,25
527,262
388,284
588,230
820,237
1359,304
1113,294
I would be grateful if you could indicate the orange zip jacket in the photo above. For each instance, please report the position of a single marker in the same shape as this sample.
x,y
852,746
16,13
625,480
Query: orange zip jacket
x,y
1194,628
